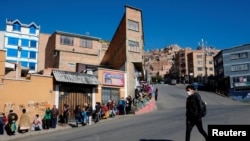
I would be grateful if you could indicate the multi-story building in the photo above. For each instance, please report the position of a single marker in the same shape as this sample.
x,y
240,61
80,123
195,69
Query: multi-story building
x,y
74,59
157,63
73,69
181,62
127,47
232,72
21,42
65,51
200,63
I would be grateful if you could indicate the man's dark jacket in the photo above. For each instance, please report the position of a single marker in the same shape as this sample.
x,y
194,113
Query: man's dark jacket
x,y
193,107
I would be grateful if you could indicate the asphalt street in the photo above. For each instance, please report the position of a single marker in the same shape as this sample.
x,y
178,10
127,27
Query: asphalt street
x,y
167,123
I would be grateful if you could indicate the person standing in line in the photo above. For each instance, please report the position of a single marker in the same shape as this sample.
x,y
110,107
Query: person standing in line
x,y
65,113
11,125
47,118
97,111
193,114
78,115
54,116
2,124
156,94
24,123
89,111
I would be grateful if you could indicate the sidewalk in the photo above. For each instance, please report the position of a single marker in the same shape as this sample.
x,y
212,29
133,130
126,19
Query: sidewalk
x,y
148,108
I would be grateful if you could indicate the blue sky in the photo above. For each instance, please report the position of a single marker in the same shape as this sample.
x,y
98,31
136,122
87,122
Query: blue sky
x,y
221,23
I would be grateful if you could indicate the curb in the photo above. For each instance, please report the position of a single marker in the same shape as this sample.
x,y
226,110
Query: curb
x,y
148,108
151,106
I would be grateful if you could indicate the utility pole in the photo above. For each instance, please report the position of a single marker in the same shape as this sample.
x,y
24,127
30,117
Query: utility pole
x,y
204,50
203,47
19,49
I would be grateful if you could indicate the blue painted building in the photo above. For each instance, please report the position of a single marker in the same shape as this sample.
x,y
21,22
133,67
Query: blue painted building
x,y
21,44
232,72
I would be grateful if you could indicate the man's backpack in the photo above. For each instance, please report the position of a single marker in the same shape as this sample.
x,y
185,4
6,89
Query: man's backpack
x,y
203,108
120,102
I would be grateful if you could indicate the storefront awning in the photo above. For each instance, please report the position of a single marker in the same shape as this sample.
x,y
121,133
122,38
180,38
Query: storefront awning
x,y
75,77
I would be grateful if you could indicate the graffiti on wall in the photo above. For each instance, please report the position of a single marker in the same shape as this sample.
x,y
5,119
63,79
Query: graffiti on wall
x,y
30,106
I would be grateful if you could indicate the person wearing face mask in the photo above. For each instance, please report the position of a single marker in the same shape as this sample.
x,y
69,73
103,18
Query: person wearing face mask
x,y
193,114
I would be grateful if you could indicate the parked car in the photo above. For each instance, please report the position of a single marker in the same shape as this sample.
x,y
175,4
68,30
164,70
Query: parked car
x,y
173,82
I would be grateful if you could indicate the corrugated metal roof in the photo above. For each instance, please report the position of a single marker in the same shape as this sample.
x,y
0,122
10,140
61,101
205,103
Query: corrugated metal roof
x,y
75,77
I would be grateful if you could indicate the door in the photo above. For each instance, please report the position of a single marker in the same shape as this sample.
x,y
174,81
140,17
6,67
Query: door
x,y
73,96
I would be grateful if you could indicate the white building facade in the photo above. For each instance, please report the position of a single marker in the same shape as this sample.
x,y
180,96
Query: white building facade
x,y
21,42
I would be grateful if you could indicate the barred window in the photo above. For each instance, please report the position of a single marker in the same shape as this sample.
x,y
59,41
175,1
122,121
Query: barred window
x,y
65,40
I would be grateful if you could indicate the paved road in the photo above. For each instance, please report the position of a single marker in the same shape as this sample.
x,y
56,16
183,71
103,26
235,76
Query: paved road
x,y
165,124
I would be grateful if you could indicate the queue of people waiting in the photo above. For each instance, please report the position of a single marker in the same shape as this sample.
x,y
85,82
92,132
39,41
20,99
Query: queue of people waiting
x,y
102,111
83,115
9,123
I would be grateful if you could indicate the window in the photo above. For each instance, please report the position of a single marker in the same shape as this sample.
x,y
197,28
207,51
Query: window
x,y
32,66
16,26
210,62
12,41
24,64
133,46
199,68
200,62
32,55
211,53
65,40
25,42
240,67
110,94
133,25
24,54
211,69
219,60
32,29
198,56
234,56
220,71
239,56
11,52
33,43
85,43
243,55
